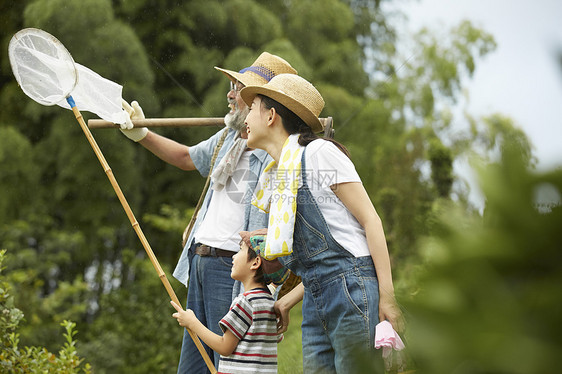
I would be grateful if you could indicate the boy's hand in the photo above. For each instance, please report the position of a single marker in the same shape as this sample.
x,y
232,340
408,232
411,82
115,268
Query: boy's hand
x,y
184,317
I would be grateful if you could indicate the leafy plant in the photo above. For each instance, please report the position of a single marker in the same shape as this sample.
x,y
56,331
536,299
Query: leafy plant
x,y
488,298
16,359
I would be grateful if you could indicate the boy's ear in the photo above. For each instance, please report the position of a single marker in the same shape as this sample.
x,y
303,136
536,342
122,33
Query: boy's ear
x,y
256,263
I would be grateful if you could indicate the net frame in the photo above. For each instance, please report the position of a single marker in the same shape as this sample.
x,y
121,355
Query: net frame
x,y
42,66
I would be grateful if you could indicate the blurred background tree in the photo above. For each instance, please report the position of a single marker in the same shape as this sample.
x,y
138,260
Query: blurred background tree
x,y
487,298
77,256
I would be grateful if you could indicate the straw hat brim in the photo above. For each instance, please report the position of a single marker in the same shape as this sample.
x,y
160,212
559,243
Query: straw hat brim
x,y
248,79
248,94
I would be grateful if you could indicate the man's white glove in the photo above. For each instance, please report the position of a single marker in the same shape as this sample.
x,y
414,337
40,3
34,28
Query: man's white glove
x,y
134,112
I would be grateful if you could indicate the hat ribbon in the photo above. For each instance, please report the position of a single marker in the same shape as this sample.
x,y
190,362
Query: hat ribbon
x,y
262,71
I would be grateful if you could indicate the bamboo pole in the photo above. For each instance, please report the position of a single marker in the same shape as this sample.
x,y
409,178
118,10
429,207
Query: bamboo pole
x,y
168,122
160,122
137,228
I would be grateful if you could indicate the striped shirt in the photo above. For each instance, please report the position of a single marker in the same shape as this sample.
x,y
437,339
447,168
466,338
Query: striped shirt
x,y
252,320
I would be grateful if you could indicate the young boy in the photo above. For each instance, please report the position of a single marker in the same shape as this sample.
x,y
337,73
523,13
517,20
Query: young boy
x,y
249,343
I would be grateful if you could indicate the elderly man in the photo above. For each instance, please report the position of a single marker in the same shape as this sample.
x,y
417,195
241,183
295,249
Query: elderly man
x,y
206,260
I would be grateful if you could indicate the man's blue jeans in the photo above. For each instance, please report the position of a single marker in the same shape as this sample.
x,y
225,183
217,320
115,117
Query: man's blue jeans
x,y
209,296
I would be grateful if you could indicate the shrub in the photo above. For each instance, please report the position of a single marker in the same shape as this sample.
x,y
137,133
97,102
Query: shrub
x,y
14,359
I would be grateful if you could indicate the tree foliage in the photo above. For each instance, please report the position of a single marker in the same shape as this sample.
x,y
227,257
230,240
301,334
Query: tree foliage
x,y
487,299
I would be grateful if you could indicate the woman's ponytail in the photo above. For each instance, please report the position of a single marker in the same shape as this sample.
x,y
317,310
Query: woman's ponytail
x,y
293,124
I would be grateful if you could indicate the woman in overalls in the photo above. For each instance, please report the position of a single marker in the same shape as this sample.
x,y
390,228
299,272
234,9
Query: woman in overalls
x,y
322,226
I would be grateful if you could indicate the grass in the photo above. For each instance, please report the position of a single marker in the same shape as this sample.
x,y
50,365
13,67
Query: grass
x,y
289,351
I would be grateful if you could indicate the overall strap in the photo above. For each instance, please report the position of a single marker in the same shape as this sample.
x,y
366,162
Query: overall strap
x,y
303,167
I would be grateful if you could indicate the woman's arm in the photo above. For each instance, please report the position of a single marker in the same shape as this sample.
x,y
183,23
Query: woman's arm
x,y
283,307
223,345
356,199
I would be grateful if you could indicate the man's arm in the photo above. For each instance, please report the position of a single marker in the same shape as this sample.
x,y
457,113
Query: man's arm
x,y
168,150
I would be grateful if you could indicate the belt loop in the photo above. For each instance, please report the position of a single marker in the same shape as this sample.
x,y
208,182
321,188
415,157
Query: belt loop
x,y
213,251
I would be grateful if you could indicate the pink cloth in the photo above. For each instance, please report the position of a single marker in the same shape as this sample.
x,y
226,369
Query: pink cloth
x,y
385,336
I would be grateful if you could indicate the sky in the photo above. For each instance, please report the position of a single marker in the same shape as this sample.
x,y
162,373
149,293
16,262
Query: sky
x,y
522,77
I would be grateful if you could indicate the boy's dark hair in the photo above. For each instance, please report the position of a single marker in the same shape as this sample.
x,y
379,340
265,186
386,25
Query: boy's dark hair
x,y
258,277
293,124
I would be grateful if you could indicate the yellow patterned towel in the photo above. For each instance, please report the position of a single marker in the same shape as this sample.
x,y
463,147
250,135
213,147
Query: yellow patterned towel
x,y
277,195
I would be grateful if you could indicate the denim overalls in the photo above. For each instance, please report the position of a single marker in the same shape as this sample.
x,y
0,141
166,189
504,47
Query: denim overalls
x,y
341,297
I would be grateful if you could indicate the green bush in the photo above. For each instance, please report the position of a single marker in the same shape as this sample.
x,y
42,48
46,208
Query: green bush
x,y
14,359
488,298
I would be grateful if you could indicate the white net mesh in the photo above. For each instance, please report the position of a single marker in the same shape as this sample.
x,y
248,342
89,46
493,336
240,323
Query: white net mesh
x,y
42,66
46,72
98,95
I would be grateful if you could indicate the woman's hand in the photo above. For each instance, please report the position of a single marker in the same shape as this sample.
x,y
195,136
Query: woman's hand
x,y
282,311
389,310
283,306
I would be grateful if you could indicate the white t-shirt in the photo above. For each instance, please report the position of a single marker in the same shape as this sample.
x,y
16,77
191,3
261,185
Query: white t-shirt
x,y
225,215
326,165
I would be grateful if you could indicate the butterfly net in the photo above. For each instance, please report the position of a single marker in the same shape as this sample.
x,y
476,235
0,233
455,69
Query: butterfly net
x,y
47,73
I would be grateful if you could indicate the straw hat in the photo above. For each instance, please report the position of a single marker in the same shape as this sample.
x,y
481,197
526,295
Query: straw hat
x,y
295,93
262,70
